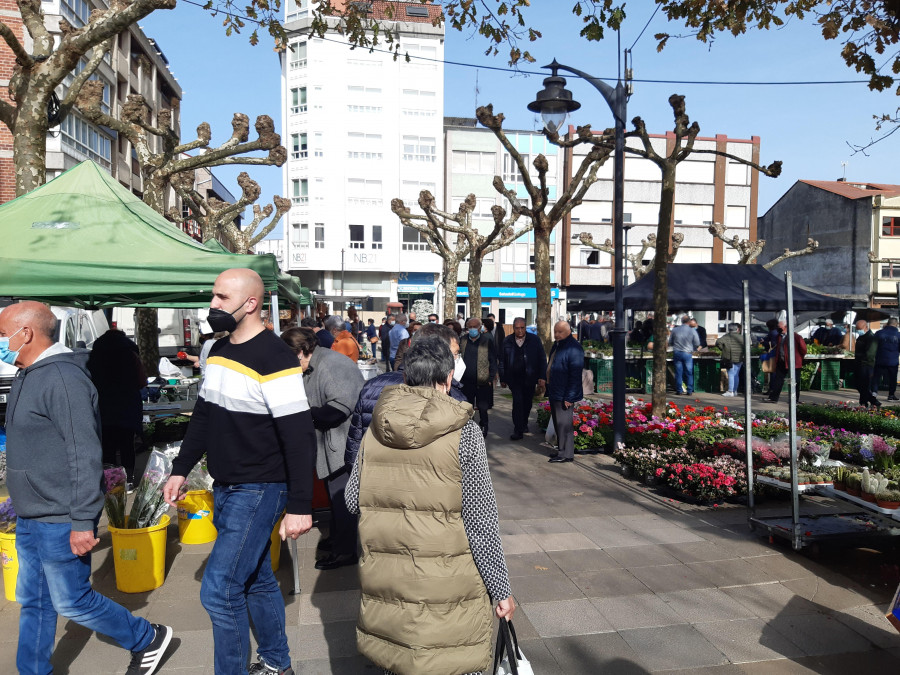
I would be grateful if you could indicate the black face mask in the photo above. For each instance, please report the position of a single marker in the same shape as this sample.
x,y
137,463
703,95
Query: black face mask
x,y
221,321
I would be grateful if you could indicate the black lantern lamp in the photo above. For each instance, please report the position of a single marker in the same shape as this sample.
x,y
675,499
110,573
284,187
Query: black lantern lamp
x,y
554,102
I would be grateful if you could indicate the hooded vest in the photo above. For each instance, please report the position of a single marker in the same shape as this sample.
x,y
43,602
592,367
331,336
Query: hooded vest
x,y
424,609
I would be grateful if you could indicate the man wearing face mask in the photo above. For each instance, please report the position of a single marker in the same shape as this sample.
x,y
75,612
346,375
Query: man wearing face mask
x,y
371,391
54,472
864,363
480,356
253,421
522,365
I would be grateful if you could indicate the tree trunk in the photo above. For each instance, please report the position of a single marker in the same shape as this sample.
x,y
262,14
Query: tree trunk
x,y
451,276
542,283
475,263
661,289
30,148
147,337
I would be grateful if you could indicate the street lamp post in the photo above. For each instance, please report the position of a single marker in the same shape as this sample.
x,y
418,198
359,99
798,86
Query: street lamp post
x,y
554,102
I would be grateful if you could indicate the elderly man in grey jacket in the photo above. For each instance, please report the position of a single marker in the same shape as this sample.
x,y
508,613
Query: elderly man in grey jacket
x,y
332,384
684,340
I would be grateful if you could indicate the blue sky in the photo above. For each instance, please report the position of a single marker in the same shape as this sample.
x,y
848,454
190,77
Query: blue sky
x,y
806,127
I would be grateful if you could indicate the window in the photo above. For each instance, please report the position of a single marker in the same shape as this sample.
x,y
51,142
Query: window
x,y
300,191
360,90
301,235
482,206
362,192
410,189
76,11
320,235
419,149
890,271
511,169
86,139
299,149
364,63
417,94
413,240
298,100
376,237
589,257
298,56
465,161
357,236
552,261
418,112
890,226
297,9
317,144
364,146
364,109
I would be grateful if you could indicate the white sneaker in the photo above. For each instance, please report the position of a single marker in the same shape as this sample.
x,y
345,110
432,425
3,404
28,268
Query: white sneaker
x,y
728,393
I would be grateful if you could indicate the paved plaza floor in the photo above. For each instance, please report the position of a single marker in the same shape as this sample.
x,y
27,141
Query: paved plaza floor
x,y
609,575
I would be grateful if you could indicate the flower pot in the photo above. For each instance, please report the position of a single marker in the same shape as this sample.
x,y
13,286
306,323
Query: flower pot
x,y
10,564
195,518
868,497
840,486
887,505
854,492
139,557
628,471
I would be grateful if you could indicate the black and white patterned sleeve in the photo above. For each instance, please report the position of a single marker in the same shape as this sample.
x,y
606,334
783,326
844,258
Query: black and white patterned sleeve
x,y
479,513
351,491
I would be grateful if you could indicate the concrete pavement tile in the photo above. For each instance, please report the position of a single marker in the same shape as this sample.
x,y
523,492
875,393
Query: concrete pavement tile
x,y
818,634
519,543
569,541
592,654
826,595
643,610
804,665
352,665
672,647
525,630
608,583
670,578
669,535
190,650
728,669
698,551
744,544
607,533
187,615
780,567
508,527
641,556
330,641
525,564
529,510
325,581
565,617
328,607
643,521
744,640
84,657
768,600
869,622
539,655
582,560
872,661
547,526
544,588
705,604
736,572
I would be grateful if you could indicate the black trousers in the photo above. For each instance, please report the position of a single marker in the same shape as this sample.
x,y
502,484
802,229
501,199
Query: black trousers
x,y
480,397
118,448
344,525
890,374
776,384
522,398
864,383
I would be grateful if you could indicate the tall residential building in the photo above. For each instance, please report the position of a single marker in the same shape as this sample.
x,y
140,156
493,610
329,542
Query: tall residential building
x,y
361,128
134,65
473,157
710,189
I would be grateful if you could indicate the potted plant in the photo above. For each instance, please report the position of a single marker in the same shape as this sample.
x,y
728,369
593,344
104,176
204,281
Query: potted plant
x,y
854,483
872,485
840,478
888,499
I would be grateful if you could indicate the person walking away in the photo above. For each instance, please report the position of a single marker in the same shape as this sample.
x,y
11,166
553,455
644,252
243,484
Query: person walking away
x,y
252,420
325,338
397,335
595,330
118,375
344,343
684,340
372,336
701,332
564,388
432,558
404,345
477,350
864,363
887,357
584,329
332,385
732,348
384,334
522,365
499,332
782,359
54,472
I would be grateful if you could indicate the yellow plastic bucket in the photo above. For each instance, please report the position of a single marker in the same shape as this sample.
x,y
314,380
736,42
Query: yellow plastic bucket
x,y
10,564
139,557
195,518
276,546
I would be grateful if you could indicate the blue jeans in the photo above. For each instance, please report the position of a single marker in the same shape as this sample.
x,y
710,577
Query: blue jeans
x,y
238,577
54,581
734,376
684,370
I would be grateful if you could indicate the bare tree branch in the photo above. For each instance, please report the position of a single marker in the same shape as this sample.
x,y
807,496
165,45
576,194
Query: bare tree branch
x,y
748,250
23,58
33,20
72,94
811,245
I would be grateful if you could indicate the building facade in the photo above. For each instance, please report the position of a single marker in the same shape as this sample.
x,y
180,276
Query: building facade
x,y
134,65
709,189
849,220
361,128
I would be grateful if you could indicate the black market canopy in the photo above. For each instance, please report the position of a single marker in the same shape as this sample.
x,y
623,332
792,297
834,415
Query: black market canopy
x,y
85,240
712,287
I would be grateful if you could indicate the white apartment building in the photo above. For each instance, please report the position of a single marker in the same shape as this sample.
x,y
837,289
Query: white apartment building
x,y
361,128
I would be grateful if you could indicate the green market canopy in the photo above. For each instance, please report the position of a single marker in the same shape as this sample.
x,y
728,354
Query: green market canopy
x,y
85,240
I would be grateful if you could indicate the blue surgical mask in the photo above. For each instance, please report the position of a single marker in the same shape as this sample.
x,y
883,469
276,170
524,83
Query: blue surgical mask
x,y
474,332
860,333
7,356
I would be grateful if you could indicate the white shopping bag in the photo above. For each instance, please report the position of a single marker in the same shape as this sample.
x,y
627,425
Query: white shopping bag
x,y
512,661
550,435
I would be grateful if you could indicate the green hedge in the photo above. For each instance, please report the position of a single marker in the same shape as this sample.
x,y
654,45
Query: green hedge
x,y
862,422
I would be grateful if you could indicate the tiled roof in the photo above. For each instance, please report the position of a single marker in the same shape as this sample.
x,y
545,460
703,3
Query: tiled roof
x,y
395,11
852,190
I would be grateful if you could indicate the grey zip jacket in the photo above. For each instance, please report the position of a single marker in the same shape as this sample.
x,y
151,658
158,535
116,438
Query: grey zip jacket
x,y
54,464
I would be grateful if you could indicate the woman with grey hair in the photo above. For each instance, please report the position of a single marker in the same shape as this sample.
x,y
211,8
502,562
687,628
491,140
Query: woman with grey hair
x,y
432,561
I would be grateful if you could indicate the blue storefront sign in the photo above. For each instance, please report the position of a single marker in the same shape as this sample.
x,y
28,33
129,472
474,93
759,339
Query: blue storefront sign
x,y
523,293
416,282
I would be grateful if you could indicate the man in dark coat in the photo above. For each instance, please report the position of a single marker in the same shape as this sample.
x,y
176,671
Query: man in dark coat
x,y
887,357
564,388
480,356
864,363
384,334
522,365
782,361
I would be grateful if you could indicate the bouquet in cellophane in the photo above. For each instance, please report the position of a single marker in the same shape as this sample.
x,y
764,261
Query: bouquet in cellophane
x,y
149,506
115,487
